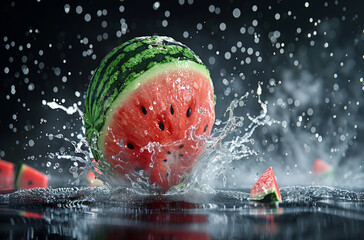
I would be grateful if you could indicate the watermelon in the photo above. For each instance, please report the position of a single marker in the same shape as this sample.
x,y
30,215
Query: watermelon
x,y
92,181
321,168
149,108
91,177
6,175
266,189
29,177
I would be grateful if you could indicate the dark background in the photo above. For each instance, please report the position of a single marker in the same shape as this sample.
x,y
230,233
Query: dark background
x,y
62,71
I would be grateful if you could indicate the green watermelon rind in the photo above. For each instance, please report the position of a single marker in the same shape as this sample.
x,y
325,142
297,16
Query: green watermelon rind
x,y
326,177
19,173
138,82
263,196
326,173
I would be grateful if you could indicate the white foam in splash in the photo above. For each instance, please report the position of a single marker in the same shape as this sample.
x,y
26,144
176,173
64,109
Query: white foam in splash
x,y
80,146
70,110
212,166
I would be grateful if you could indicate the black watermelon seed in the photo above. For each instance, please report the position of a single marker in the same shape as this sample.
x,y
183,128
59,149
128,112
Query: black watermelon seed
x,y
168,152
164,160
181,155
172,110
161,126
137,169
167,174
181,146
189,112
204,130
131,146
30,182
144,110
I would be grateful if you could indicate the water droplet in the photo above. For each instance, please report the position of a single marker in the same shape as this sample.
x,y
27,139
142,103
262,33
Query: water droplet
x,y
87,17
156,5
236,12
67,8
79,9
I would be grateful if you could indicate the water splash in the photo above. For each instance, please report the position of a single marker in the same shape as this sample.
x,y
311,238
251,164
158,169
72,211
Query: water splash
x,y
222,147
220,153
70,110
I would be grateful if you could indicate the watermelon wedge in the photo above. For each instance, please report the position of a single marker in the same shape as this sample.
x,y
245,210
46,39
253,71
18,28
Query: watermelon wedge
x,y
6,175
148,111
29,177
321,168
266,189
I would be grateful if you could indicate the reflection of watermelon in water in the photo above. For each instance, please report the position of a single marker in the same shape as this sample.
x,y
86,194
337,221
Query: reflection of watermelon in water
x,y
33,215
29,177
6,175
266,189
147,234
149,106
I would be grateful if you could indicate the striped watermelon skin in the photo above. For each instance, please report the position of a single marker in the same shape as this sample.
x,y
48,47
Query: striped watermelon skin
x,y
121,67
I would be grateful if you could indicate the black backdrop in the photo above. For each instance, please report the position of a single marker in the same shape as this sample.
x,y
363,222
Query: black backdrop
x,y
45,54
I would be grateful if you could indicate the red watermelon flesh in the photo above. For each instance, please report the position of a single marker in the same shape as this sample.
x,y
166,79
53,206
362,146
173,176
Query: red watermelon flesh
x,y
321,167
171,111
29,177
266,189
6,175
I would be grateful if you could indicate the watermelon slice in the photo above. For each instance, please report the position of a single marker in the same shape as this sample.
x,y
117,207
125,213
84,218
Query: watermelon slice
x,y
6,175
148,111
29,177
266,189
321,168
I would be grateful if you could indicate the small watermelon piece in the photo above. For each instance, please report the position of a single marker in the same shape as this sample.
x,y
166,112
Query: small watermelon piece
x,y
29,177
91,177
93,181
6,175
321,168
95,166
266,189
149,107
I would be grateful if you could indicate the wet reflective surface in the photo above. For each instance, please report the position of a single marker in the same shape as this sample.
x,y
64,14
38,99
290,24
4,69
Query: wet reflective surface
x,y
72,213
